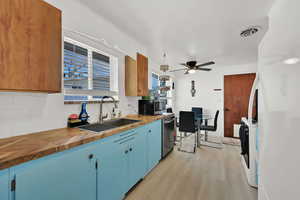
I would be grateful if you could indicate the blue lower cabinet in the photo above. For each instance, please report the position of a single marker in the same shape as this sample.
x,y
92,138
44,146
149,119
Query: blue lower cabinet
x,y
112,167
154,144
122,163
102,170
4,184
66,175
137,160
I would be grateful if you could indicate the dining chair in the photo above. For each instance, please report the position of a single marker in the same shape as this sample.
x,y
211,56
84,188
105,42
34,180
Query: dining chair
x,y
198,113
210,128
187,125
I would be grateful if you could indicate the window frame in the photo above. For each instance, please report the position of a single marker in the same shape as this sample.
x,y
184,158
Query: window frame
x,y
90,92
152,79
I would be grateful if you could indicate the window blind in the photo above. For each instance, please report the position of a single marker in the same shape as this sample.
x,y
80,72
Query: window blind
x,y
101,72
75,66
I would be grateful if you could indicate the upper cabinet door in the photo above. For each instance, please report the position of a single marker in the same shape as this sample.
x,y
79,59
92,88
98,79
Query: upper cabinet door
x,y
142,68
30,46
136,76
131,79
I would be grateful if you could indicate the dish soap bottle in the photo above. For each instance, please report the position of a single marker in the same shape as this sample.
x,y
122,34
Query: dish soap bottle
x,y
83,116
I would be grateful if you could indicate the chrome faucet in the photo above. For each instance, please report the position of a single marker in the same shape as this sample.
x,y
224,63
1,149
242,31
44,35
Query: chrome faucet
x,y
101,117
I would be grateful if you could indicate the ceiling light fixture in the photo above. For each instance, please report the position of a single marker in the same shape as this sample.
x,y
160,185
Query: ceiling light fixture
x,y
291,61
192,71
164,67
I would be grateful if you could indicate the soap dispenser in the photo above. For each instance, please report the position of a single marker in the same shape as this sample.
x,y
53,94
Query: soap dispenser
x,y
83,116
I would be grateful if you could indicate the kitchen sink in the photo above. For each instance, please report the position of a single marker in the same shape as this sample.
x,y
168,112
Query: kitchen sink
x,y
120,122
111,124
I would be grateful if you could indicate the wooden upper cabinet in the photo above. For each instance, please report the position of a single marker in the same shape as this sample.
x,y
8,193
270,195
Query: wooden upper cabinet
x,y
142,68
136,76
30,46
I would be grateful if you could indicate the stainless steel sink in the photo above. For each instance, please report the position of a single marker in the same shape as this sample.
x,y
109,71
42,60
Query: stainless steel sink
x,y
111,124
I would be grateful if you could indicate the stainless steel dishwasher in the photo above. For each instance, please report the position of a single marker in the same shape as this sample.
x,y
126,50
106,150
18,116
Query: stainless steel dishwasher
x,y
168,132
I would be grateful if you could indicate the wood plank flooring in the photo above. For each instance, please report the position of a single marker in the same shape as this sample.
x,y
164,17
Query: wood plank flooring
x,y
210,174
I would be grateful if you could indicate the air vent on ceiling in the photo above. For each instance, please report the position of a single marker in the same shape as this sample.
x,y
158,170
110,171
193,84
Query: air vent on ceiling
x,y
250,31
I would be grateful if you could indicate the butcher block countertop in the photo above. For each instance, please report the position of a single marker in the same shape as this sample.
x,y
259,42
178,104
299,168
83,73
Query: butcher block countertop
x,y
24,148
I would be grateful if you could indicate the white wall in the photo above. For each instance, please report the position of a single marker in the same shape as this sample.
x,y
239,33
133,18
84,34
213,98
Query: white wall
x,y
206,97
279,110
22,113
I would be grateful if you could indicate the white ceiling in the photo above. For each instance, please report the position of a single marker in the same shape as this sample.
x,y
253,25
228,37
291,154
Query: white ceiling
x,y
189,29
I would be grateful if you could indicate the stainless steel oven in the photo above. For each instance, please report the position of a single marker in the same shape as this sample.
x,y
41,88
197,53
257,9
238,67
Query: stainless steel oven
x,y
168,133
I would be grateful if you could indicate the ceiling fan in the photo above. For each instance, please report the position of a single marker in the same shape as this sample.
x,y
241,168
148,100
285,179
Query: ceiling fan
x,y
191,67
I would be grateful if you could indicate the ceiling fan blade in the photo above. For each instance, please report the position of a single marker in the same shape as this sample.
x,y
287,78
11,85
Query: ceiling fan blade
x,y
184,64
176,70
205,64
204,69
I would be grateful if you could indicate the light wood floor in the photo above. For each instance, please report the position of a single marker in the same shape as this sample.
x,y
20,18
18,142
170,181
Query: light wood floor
x,y
210,174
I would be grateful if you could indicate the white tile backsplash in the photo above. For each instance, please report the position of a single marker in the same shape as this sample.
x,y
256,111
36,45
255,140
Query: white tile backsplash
x,y
22,113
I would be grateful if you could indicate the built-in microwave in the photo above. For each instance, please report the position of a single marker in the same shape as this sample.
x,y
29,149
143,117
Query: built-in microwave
x,y
150,107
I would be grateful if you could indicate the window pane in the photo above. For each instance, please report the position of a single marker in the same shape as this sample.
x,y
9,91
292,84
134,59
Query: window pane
x,y
155,82
75,66
101,72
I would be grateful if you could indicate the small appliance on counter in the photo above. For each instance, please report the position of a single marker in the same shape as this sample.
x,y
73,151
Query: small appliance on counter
x,y
150,107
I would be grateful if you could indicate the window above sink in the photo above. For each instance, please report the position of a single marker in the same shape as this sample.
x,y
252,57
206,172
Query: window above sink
x,y
89,73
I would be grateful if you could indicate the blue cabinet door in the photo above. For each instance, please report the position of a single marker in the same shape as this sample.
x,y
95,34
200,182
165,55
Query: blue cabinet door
x,y
66,175
137,157
154,144
4,184
112,170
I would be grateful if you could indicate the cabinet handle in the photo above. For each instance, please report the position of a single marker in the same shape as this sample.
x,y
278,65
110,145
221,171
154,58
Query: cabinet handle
x,y
126,140
121,139
130,149
126,152
149,131
127,133
91,156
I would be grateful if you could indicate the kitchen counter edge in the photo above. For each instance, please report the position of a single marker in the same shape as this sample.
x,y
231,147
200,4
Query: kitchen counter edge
x,y
20,149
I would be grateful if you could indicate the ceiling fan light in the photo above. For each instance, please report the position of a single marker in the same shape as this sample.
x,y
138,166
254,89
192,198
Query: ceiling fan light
x,y
291,61
192,71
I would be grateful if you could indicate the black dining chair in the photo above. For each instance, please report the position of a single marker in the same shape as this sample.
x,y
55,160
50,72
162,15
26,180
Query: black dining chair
x,y
211,128
187,125
198,113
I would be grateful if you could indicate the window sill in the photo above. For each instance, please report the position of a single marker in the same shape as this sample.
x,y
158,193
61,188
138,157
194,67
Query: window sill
x,y
88,102
83,92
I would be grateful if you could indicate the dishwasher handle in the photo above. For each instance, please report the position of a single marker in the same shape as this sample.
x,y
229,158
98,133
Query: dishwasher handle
x,y
169,121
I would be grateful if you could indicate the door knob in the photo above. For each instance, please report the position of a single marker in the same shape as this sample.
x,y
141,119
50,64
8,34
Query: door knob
x,y
91,156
